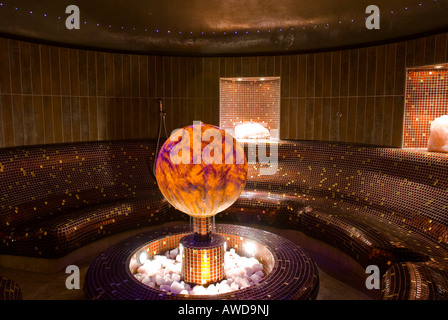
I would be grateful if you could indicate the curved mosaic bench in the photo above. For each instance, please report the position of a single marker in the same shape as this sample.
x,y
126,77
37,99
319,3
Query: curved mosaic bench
x,y
424,281
381,206
57,198
9,290
292,274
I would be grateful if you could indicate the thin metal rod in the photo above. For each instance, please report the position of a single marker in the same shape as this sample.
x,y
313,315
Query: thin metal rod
x,y
162,122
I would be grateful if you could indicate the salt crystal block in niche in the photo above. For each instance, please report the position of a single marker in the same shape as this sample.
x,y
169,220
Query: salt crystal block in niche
x,y
438,137
251,130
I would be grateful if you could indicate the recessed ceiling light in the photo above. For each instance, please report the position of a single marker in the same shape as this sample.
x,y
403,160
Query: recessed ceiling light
x,y
438,67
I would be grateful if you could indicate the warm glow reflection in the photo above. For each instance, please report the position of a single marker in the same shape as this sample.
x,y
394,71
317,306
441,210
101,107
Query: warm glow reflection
x,y
202,187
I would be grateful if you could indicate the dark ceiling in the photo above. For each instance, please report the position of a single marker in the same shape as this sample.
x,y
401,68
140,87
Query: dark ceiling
x,y
220,27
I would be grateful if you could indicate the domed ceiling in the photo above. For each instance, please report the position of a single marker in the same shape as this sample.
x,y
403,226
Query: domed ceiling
x,y
220,27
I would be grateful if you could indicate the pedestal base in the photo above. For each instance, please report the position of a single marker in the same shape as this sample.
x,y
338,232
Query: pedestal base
x,y
202,262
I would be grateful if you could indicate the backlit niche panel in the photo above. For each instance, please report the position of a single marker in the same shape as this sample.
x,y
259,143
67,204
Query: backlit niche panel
x,y
252,104
426,99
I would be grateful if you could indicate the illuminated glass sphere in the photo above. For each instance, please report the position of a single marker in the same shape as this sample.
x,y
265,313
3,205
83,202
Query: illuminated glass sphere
x,y
201,170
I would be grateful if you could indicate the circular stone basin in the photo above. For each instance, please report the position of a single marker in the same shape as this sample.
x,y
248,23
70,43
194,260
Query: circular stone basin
x,y
289,272
243,265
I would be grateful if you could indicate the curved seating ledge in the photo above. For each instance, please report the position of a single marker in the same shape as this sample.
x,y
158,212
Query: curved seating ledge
x,y
381,206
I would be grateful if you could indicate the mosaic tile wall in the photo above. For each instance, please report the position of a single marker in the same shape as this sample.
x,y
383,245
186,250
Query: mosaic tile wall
x,y
250,99
426,99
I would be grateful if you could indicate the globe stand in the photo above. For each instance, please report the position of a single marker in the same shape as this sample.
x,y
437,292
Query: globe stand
x,y
202,253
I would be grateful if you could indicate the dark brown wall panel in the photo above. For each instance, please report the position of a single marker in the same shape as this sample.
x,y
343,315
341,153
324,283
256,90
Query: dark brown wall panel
x,y
65,71
73,73
55,68
362,72
440,48
5,78
345,71
75,118
351,119
126,76
360,118
326,114
25,67
100,74
318,120
82,69
39,120
29,136
14,67
67,117
51,94
389,71
343,107
58,129
293,118
7,120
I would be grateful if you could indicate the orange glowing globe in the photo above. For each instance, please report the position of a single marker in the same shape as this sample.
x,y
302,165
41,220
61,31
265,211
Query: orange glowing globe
x,y
201,170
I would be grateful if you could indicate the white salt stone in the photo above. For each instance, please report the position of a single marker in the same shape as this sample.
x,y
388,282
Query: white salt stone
x,y
167,262
244,283
165,287
177,269
168,269
252,261
199,290
249,271
255,278
234,286
139,276
141,269
159,257
167,280
176,287
438,137
163,272
159,280
211,289
146,280
251,130
242,272
242,262
230,274
224,288
151,272
174,253
134,265
256,267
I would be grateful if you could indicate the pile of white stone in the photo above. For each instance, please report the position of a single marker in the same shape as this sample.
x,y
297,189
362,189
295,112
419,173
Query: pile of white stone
x,y
163,272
